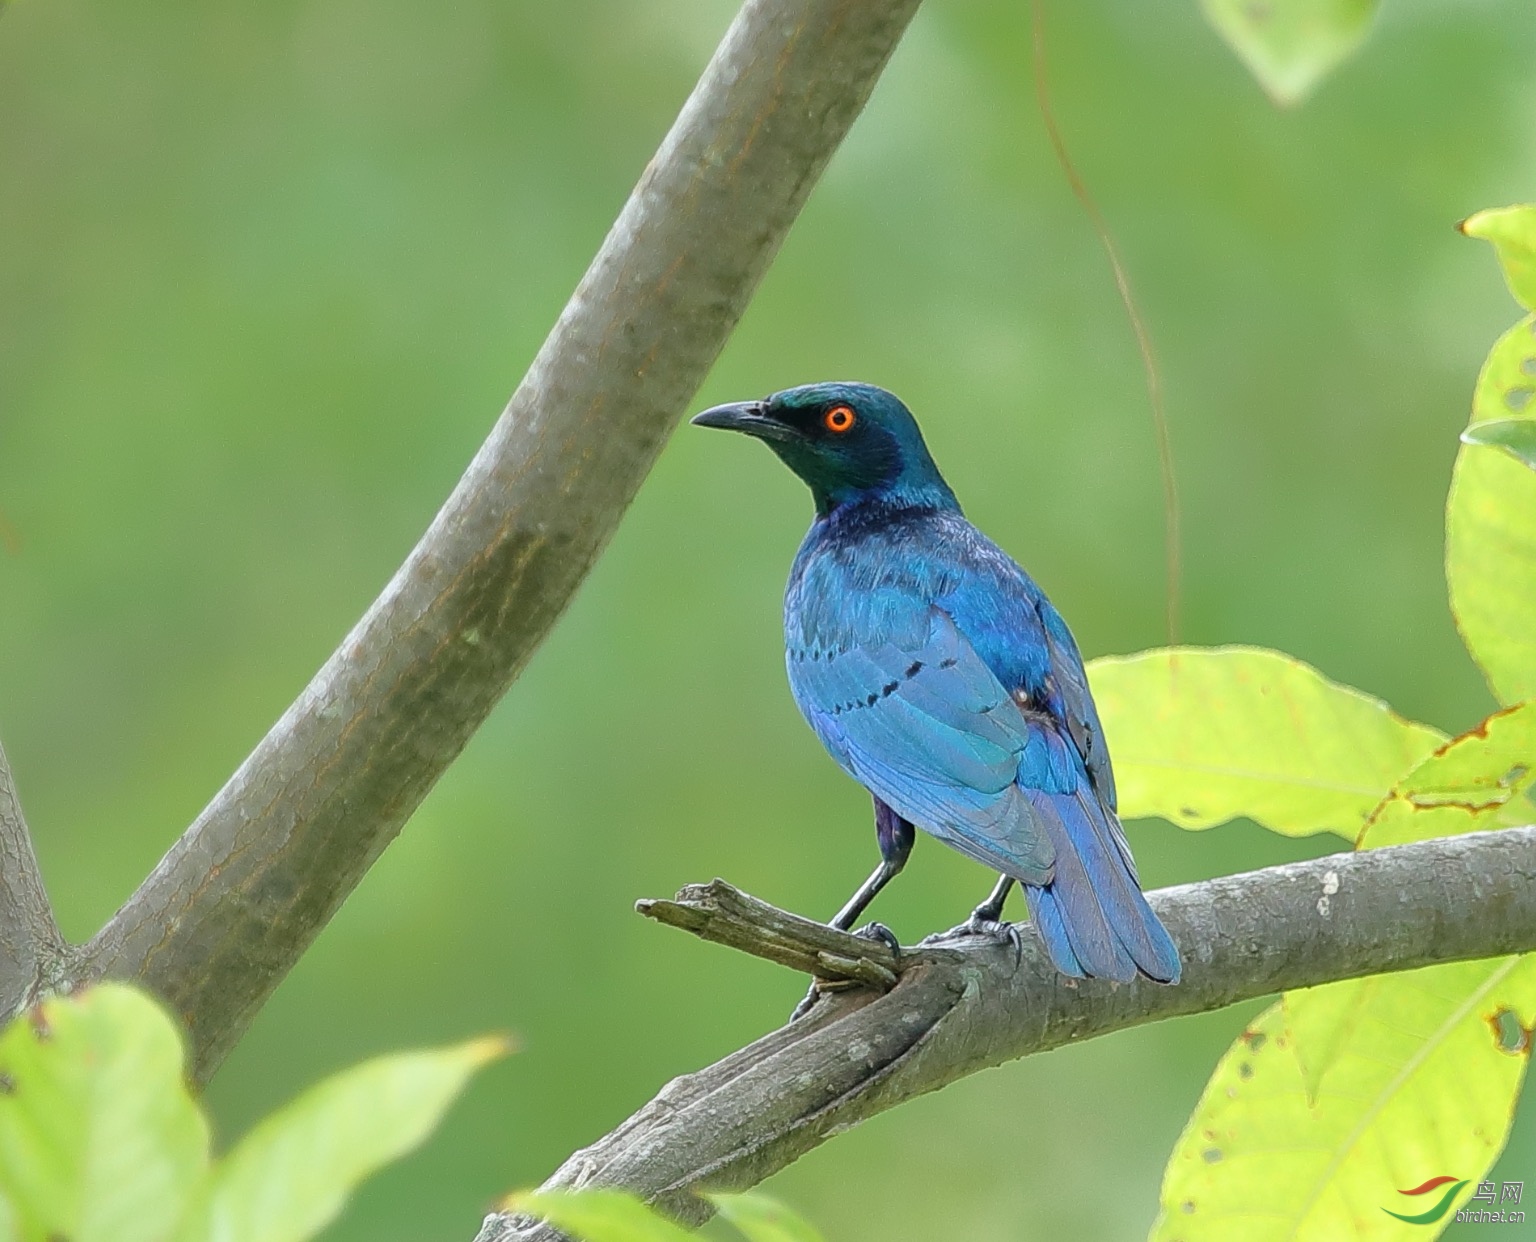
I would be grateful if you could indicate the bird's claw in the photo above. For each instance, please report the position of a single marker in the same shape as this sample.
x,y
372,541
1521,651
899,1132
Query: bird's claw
x,y
877,932
881,934
1002,933
806,1002
989,929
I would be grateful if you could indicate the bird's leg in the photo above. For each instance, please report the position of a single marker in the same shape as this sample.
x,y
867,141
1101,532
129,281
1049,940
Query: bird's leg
x,y
845,918
991,910
895,836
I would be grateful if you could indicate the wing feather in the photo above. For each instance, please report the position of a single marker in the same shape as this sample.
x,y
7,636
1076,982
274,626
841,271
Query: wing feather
x,y
928,728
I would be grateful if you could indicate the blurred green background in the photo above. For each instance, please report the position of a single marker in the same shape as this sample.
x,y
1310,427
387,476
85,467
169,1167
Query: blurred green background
x,y
269,271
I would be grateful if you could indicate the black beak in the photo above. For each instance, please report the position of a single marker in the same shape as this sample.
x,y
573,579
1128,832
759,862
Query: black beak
x,y
750,417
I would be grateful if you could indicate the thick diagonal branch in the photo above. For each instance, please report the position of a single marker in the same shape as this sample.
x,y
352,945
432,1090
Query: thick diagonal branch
x,y
956,1009
31,947
240,896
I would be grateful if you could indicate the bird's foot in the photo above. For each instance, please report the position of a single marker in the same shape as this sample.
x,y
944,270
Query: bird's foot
x,y
807,1002
989,929
997,931
880,934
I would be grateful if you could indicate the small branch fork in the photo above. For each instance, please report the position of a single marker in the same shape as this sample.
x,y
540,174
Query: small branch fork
x,y
33,954
905,1026
237,900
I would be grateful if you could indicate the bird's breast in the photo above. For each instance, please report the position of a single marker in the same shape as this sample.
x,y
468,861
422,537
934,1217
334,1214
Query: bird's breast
x,y
864,586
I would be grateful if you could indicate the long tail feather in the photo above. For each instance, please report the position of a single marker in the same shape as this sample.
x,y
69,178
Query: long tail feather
x,y
1092,916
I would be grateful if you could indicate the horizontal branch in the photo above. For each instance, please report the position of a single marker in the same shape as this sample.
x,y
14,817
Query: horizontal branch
x,y
32,949
235,902
960,1007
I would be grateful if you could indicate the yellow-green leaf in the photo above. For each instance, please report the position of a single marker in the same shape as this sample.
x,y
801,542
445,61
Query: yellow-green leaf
x,y
100,1140
1290,45
1424,1085
291,1175
1516,436
1478,781
1322,1021
599,1216
1506,385
1204,735
1512,231
1490,528
762,1219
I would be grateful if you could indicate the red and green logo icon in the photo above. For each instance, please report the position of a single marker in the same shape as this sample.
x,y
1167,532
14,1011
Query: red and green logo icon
x,y
1442,1205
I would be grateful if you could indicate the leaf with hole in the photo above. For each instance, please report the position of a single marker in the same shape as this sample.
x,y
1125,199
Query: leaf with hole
x,y
1338,1031
1477,781
1424,1084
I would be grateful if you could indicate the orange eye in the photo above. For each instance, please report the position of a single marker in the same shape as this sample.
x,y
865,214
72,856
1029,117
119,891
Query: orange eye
x,y
838,419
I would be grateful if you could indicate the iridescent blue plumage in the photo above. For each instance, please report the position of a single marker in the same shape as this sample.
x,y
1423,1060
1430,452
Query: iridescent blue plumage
x,y
938,675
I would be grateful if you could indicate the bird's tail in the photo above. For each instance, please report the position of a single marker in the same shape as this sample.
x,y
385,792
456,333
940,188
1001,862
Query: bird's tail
x,y
1092,915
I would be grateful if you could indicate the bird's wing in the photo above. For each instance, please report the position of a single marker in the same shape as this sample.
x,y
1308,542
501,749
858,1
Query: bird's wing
x,y
1076,703
925,725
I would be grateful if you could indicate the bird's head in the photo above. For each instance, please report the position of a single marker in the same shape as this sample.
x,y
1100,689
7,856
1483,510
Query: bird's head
x,y
849,442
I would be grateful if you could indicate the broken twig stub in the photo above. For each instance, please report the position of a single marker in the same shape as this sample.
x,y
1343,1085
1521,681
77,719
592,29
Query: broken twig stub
x,y
720,912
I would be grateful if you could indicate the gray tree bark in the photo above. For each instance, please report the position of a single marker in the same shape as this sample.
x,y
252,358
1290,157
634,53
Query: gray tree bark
x,y
954,1009
32,950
